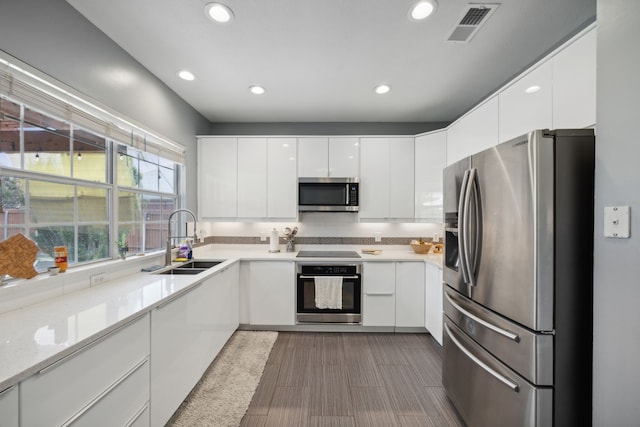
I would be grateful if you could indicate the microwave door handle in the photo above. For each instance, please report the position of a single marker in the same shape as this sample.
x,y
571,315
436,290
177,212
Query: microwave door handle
x,y
461,228
348,195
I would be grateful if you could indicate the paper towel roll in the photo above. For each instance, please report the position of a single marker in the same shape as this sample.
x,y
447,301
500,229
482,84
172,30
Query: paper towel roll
x,y
274,241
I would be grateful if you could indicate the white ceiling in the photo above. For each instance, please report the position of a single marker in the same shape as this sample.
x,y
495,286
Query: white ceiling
x,y
319,60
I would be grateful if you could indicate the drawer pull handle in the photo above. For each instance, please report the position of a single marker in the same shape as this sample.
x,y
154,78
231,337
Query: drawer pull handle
x,y
506,381
137,415
379,294
494,328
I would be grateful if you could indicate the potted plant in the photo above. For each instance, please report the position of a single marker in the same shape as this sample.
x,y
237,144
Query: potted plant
x,y
123,246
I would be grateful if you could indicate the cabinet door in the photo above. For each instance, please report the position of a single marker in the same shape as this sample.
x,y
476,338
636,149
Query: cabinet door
x,y
410,284
430,160
181,345
252,177
401,178
574,84
272,293
474,132
433,302
224,307
9,407
523,110
374,178
344,157
313,157
84,376
379,294
282,195
217,177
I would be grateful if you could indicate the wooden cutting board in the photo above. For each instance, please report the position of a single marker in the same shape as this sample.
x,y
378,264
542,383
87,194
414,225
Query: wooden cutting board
x,y
18,256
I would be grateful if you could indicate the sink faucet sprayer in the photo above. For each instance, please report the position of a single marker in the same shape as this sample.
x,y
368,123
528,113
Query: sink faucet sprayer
x,y
167,259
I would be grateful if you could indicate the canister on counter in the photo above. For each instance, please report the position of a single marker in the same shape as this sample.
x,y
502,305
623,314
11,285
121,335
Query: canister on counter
x,y
60,258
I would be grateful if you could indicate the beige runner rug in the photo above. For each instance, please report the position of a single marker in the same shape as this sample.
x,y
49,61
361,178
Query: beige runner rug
x,y
222,396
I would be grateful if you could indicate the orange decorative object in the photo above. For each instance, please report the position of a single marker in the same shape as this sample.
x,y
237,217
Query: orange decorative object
x,y
60,258
18,256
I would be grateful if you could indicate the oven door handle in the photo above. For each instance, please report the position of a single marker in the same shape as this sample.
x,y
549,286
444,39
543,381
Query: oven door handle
x,y
313,277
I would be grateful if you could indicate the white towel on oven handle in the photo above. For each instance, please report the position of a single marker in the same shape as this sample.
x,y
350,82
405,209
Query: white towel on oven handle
x,y
328,292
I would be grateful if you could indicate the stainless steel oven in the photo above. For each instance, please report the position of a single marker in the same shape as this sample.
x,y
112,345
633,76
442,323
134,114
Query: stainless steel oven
x,y
309,276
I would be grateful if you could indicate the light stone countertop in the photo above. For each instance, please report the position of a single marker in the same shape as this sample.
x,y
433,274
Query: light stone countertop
x,y
40,334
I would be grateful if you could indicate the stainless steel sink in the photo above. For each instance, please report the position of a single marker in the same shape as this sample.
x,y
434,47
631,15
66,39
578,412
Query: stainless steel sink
x,y
199,264
191,267
179,270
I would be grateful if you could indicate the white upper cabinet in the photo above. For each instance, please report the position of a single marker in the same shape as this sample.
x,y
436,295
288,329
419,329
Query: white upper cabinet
x,y
344,157
328,157
282,185
474,132
252,177
526,104
386,178
430,160
574,84
313,157
217,177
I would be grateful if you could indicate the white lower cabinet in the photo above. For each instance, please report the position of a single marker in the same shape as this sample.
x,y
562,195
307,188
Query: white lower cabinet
x,y
109,376
433,302
272,293
410,300
186,334
9,409
379,294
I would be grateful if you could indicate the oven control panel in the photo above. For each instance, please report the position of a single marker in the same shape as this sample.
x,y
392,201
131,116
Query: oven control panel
x,y
329,270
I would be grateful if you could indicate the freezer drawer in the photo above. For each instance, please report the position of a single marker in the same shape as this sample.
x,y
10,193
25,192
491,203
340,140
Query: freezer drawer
x,y
487,393
528,353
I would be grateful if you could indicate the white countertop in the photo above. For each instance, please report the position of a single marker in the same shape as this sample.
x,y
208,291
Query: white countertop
x,y
37,335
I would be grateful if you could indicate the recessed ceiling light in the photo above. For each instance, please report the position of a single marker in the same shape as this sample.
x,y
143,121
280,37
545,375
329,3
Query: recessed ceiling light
x,y
532,89
256,90
218,12
186,75
382,89
422,9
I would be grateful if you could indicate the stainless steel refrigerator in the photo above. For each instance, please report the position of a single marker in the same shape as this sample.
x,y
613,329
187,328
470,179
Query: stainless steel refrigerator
x,y
518,281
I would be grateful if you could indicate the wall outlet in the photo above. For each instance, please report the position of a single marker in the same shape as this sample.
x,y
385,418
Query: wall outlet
x,y
377,237
263,237
96,279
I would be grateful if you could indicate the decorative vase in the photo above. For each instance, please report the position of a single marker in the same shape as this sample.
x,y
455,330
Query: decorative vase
x,y
123,252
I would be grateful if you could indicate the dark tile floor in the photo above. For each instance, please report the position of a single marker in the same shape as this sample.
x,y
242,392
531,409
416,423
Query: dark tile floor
x,y
352,379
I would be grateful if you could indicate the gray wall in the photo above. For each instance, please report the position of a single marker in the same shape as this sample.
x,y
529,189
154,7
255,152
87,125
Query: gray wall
x,y
54,38
617,261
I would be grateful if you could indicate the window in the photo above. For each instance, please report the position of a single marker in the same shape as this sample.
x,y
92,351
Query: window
x,y
57,187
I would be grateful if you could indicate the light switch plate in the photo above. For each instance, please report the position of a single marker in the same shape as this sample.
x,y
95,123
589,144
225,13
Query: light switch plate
x,y
616,222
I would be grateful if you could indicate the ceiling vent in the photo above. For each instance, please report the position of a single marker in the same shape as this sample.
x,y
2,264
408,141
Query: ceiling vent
x,y
474,17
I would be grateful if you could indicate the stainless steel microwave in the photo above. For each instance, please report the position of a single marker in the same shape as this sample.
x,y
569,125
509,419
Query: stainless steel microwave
x,y
328,194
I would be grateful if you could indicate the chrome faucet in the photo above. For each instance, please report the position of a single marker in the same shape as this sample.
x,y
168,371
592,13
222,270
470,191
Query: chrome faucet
x,y
167,258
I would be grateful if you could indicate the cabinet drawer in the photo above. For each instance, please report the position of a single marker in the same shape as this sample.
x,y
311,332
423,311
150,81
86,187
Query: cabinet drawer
x,y
60,391
9,407
122,405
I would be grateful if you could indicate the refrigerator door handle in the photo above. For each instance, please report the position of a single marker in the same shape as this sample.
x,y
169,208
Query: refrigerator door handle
x,y
476,223
508,334
461,229
466,227
506,381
